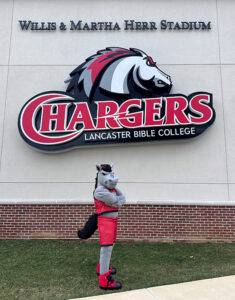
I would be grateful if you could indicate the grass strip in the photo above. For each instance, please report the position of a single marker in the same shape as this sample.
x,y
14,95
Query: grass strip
x,y
59,270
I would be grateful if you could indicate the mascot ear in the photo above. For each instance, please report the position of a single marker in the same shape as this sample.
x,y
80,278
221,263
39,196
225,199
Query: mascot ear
x,y
98,167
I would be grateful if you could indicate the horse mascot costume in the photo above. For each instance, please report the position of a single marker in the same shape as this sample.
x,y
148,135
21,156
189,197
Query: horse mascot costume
x,y
108,199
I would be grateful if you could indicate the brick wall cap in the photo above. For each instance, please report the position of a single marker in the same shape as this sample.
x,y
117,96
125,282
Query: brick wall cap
x,y
146,202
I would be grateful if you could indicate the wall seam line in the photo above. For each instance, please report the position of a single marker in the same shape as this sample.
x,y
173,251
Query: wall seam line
x,y
75,65
5,104
222,96
120,182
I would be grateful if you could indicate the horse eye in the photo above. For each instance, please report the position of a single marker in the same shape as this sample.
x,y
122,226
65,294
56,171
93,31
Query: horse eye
x,y
103,174
150,63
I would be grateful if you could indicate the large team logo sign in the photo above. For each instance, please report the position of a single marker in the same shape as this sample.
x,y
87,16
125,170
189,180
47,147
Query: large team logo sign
x,y
116,96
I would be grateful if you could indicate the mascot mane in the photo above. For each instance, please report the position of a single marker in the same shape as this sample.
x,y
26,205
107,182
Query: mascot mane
x,y
87,75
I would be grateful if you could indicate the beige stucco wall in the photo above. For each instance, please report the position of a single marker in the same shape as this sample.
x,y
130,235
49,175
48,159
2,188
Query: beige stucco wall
x,y
199,170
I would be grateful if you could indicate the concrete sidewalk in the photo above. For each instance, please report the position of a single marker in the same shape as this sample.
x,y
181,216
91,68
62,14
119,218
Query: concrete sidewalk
x,y
222,288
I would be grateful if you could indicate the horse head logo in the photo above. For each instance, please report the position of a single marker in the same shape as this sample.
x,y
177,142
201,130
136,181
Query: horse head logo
x,y
117,72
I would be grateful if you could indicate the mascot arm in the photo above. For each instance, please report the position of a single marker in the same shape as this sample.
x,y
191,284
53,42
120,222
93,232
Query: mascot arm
x,y
111,199
122,198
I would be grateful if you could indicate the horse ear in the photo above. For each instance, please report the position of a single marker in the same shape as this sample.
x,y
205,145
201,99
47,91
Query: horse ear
x,y
98,167
111,165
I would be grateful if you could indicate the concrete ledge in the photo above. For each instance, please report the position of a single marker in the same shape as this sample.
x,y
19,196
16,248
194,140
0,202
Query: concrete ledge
x,y
143,202
222,288
142,294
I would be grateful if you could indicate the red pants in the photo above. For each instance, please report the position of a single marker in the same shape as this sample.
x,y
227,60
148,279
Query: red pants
x,y
108,230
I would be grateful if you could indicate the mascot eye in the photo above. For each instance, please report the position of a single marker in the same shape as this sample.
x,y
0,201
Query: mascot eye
x,y
103,174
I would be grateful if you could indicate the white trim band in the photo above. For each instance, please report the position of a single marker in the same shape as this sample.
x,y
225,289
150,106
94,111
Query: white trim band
x,y
146,202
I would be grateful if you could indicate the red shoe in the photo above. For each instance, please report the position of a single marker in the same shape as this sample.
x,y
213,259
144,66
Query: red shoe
x,y
112,270
107,283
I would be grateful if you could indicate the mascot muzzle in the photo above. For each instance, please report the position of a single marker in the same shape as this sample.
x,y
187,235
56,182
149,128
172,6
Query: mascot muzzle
x,y
110,181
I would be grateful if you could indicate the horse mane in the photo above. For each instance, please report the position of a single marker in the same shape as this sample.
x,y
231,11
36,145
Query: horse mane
x,y
96,182
87,75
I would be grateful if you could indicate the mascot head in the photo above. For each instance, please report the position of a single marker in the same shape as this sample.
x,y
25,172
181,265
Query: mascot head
x,y
105,176
115,71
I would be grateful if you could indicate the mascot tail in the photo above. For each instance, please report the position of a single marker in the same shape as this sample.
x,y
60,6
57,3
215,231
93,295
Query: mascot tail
x,y
89,228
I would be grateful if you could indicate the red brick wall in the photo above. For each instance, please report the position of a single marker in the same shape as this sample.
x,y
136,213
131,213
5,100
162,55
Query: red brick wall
x,y
136,222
